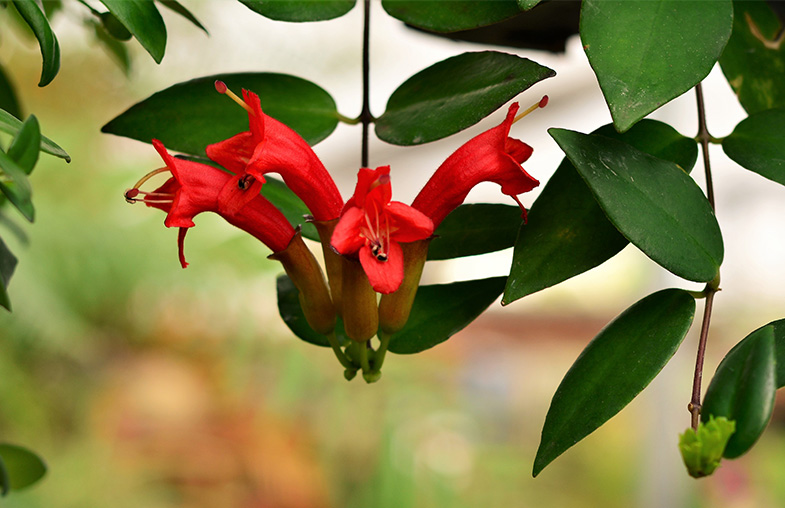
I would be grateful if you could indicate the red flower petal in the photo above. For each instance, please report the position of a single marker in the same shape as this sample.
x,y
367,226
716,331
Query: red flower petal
x,y
385,276
346,237
408,223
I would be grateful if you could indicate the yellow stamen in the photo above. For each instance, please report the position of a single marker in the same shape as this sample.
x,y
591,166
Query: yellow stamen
x,y
130,194
221,87
543,102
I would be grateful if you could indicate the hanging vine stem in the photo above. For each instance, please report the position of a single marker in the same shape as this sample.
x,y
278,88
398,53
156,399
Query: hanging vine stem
x,y
365,115
712,287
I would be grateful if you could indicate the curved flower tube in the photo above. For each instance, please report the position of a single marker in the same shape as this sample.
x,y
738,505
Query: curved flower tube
x,y
492,156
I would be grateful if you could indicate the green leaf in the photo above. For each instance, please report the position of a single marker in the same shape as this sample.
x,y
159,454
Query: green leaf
x,y
652,202
177,7
757,144
525,5
567,232
702,450
26,145
292,313
50,49
475,229
189,116
615,367
647,53
5,483
114,27
442,310
15,186
8,99
117,49
779,338
743,389
143,20
23,466
290,205
11,125
7,266
754,59
454,94
441,16
300,10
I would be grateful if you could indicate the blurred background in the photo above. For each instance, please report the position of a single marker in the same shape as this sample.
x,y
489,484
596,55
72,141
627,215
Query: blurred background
x,y
143,384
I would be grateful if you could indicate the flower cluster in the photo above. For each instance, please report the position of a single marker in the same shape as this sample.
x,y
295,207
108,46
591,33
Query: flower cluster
x,y
371,244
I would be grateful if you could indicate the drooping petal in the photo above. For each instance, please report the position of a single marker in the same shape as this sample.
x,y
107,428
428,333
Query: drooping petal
x,y
346,237
384,276
181,246
407,223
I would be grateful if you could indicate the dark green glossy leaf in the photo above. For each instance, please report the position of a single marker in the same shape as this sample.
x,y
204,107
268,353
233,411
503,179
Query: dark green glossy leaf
x,y
143,20
15,186
743,389
117,49
647,53
8,99
300,10
652,202
442,310
757,144
7,266
189,116
5,482
527,4
50,49
779,344
754,59
23,466
614,368
454,94
451,16
26,145
475,229
114,27
290,205
292,313
567,232
11,125
177,7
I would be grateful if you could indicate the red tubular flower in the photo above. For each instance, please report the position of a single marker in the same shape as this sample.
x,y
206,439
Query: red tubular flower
x,y
269,146
372,227
492,156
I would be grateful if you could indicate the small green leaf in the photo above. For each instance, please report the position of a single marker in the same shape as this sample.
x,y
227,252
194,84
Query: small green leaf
x,y
177,7
475,229
567,232
143,20
50,49
23,466
614,368
8,99
15,186
454,94
743,389
441,16
300,10
11,125
647,53
26,145
442,310
290,205
754,59
652,202
7,266
188,116
702,450
114,27
292,314
757,144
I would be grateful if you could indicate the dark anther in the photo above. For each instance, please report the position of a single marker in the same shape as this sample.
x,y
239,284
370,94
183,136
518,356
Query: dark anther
x,y
130,195
376,250
245,182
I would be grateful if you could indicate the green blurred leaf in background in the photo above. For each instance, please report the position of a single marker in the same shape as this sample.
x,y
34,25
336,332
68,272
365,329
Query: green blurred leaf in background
x,y
300,10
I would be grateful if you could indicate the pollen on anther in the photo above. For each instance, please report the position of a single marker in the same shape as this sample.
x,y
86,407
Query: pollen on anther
x,y
220,86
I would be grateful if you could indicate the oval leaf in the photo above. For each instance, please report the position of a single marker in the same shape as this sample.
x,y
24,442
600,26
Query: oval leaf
x,y
26,145
50,48
616,365
23,466
180,9
442,310
743,389
756,144
475,229
567,232
143,20
647,53
11,125
8,99
754,59
454,94
189,116
300,10
652,202
292,314
441,16
291,206
16,186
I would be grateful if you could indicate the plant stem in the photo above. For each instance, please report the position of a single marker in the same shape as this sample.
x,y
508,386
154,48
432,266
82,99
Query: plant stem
x,y
365,115
703,138
333,340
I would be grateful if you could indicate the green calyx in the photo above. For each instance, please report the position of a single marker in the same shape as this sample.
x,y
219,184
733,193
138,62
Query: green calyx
x,y
702,450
